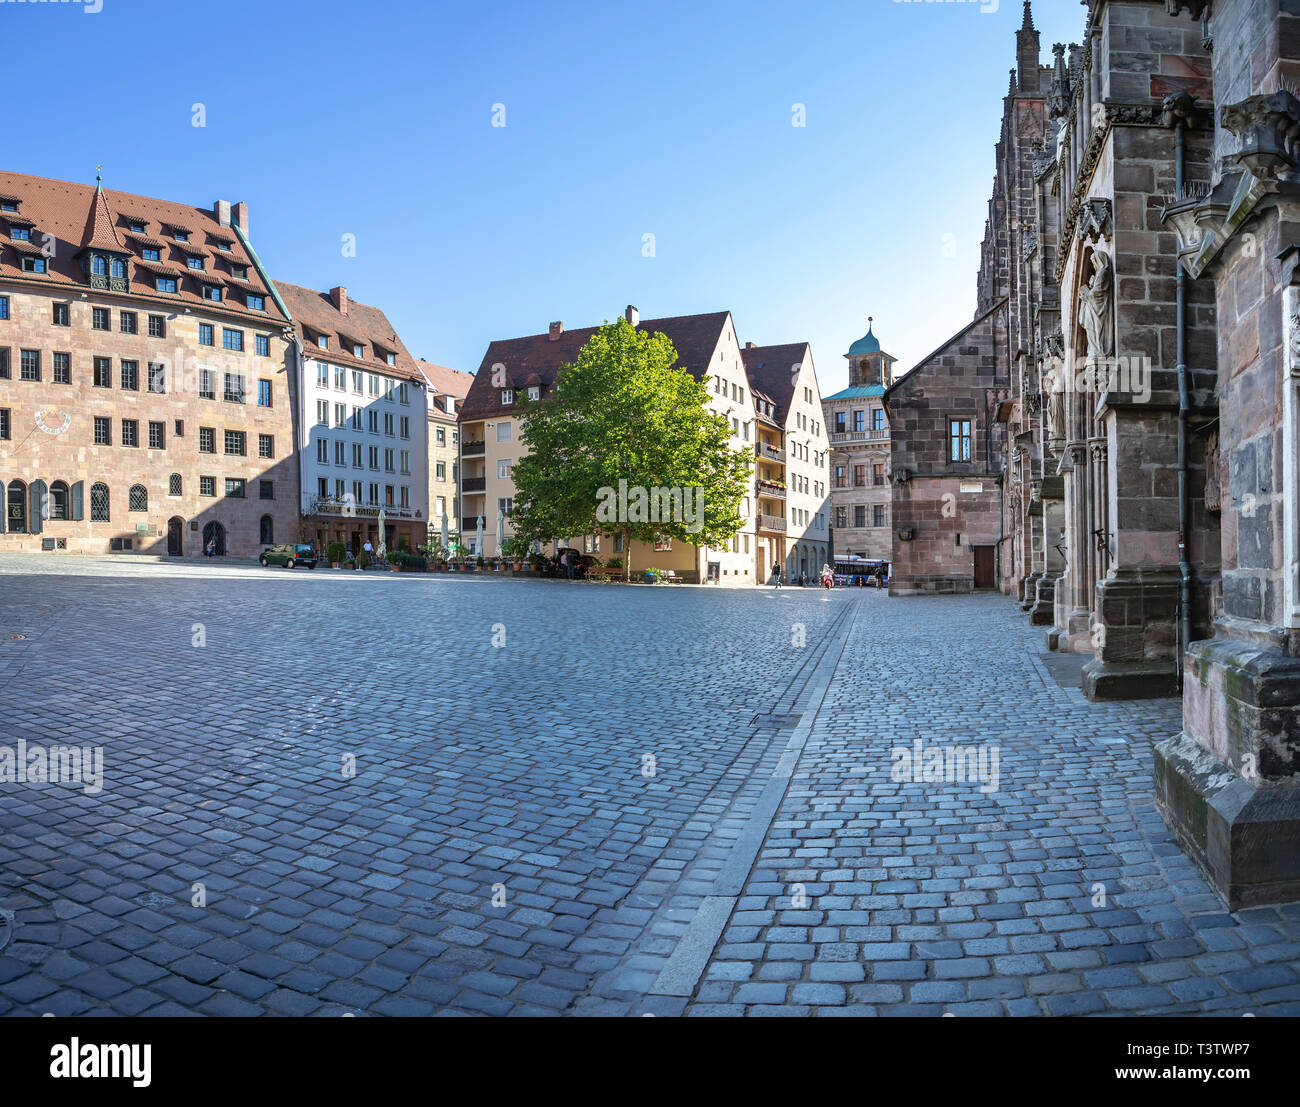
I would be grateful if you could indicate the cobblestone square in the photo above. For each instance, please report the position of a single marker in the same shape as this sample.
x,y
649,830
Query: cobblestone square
x,y
544,798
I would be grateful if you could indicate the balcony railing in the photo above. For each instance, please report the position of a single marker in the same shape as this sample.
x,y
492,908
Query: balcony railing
x,y
473,449
474,484
772,522
771,452
879,435
767,488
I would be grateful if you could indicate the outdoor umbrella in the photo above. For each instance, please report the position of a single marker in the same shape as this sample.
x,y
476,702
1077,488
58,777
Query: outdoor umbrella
x,y
446,536
383,548
501,530
478,542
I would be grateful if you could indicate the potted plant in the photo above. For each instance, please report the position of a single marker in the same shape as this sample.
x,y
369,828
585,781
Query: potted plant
x,y
335,553
651,576
478,564
349,563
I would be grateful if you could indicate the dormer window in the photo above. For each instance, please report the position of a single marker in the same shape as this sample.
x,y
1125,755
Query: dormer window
x,y
150,253
211,292
34,264
256,302
223,246
181,236
535,393
323,342
391,359
20,234
358,350
194,263
118,268
98,265
8,205
507,396
137,227
239,272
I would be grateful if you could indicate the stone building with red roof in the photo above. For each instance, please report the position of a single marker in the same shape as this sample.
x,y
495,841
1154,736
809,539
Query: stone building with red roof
x,y
145,398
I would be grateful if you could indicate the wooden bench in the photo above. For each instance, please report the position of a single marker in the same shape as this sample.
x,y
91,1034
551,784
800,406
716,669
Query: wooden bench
x,y
604,572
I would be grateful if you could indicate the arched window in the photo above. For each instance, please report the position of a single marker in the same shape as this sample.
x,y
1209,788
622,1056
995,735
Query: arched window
x,y
58,500
268,531
138,499
99,503
174,485
97,265
16,508
119,267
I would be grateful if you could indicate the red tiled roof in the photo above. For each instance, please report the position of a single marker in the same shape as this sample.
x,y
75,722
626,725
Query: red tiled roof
x,y
100,234
694,337
314,314
770,370
170,268
144,239
68,212
449,382
204,276
22,246
16,220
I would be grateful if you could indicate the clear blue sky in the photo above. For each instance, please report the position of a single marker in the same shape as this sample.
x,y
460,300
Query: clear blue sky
x,y
667,118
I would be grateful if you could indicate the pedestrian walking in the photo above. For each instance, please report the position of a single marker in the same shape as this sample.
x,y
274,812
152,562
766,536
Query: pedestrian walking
x,y
211,550
828,580
776,576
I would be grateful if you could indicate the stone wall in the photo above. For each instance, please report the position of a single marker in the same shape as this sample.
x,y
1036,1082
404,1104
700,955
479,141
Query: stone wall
x,y
944,509
52,428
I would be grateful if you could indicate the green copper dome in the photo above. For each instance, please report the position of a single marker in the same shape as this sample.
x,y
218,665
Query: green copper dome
x,y
867,344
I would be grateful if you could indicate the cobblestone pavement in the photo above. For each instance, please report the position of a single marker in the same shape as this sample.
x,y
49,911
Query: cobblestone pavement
x,y
416,795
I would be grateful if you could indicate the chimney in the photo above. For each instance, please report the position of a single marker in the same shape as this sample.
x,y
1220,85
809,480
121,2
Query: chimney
x,y
339,296
632,315
557,329
750,346
221,209
239,214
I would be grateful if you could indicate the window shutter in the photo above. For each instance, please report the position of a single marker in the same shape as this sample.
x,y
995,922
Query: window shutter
x,y
38,505
78,499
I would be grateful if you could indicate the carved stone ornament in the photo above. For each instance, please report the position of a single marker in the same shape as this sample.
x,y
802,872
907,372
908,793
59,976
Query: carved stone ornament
x,y
1293,332
1028,243
1213,490
1097,449
1033,403
1055,344
1094,221
1268,129
1195,8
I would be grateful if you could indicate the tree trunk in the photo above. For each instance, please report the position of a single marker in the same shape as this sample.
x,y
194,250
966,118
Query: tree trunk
x,y
627,557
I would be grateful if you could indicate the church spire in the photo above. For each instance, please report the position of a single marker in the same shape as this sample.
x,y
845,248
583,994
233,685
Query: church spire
x,y
1028,24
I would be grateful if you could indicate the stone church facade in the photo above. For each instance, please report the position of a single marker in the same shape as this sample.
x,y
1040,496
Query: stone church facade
x,y
1137,338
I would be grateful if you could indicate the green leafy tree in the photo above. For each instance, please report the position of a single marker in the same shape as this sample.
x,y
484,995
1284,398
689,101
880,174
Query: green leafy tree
x,y
625,443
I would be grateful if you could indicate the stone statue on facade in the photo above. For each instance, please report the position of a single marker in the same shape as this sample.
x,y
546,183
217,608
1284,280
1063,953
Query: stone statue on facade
x,y
1095,306
1054,397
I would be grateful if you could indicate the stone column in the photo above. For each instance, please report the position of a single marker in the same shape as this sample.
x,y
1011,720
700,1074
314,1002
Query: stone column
x,y
1229,784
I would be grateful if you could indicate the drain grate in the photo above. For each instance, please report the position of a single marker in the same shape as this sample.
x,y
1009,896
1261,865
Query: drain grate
x,y
780,722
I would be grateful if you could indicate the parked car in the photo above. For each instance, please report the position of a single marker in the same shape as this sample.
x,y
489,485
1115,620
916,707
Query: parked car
x,y
288,556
